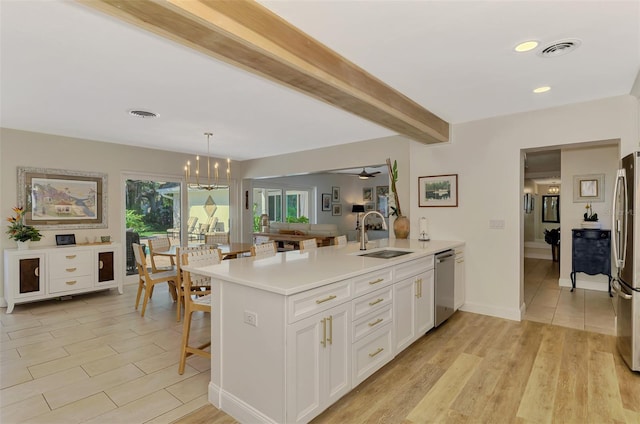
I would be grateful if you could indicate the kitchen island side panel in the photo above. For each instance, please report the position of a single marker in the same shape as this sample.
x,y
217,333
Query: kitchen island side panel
x,y
254,357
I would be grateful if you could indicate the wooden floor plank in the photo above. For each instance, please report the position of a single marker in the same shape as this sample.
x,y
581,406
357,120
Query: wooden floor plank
x,y
434,406
604,403
570,404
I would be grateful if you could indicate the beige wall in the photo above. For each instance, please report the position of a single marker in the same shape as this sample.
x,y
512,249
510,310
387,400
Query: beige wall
x,y
488,153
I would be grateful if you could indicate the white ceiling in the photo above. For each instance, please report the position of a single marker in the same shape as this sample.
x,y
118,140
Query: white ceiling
x,y
69,70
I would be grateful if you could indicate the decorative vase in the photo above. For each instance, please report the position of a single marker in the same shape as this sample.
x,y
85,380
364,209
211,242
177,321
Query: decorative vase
x,y
23,245
594,225
401,227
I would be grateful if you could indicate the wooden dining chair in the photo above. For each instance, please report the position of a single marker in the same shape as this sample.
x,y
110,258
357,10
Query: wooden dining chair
x,y
160,244
215,239
195,302
264,249
148,280
200,284
308,244
340,240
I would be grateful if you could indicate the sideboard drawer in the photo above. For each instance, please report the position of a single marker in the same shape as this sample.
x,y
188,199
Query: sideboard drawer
x,y
370,323
371,353
310,302
68,284
68,264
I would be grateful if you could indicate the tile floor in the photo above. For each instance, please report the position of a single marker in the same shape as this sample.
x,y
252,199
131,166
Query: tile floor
x,y
548,303
94,359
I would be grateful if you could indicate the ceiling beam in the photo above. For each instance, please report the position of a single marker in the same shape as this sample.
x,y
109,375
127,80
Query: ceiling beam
x,y
248,35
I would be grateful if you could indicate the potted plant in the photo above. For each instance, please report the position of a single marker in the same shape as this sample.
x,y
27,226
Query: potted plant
x,y
401,224
20,232
590,218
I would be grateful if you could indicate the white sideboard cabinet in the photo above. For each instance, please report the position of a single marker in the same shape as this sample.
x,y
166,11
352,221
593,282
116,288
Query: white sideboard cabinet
x,y
50,272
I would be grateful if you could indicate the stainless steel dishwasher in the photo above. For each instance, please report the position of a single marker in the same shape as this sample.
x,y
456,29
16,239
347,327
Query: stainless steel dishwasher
x,y
444,285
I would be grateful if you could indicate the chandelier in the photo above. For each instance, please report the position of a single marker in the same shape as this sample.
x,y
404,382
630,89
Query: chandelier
x,y
212,180
553,190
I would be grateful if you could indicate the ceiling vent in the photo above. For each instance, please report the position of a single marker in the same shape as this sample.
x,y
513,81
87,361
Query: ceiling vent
x,y
142,114
559,48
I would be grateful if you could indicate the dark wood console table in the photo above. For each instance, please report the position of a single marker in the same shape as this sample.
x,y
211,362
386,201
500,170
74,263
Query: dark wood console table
x,y
591,253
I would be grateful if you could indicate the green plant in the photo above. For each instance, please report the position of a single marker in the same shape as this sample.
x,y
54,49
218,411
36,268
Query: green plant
x,y
303,219
18,231
393,174
134,220
589,215
256,218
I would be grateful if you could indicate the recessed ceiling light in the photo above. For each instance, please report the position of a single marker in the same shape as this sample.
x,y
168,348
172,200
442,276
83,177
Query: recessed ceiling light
x,y
142,114
542,89
526,46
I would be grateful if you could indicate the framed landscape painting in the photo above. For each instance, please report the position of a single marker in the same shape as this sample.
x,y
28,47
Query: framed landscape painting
x,y
438,190
63,199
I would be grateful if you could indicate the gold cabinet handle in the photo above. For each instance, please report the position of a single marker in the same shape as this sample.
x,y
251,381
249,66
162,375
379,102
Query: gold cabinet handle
x,y
70,269
379,280
376,352
420,286
71,283
70,256
36,271
330,339
323,342
417,290
375,302
459,261
326,299
100,264
376,322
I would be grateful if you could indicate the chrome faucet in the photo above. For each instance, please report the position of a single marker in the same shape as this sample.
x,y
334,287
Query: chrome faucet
x,y
363,226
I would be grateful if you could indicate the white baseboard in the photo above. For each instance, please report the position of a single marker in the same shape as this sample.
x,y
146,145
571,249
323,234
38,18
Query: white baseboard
x,y
537,245
236,408
512,314
537,255
587,285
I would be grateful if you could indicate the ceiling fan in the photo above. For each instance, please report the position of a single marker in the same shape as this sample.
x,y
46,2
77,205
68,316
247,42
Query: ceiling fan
x,y
366,175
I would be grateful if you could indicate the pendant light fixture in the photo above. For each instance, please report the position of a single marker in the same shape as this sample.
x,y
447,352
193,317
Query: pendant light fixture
x,y
211,182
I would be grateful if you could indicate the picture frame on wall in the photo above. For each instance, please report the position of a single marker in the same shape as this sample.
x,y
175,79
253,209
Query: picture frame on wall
x,y
336,209
382,200
438,191
335,194
326,202
588,188
370,206
62,199
367,194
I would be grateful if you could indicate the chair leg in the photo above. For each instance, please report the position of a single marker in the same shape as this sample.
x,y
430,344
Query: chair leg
x,y
140,287
179,305
186,329
147,296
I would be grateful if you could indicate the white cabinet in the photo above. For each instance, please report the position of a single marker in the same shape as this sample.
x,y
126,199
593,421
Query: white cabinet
x,y
459,279
44,273
413,313
319,367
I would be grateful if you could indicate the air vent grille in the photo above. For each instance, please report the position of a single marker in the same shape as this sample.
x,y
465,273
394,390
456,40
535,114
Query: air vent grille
x,y
559,48
142,114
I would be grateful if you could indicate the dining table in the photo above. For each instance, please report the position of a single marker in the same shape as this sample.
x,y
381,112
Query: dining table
x,y
229,251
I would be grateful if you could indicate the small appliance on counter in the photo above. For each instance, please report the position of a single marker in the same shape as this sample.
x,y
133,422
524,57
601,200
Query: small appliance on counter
x,y
423,233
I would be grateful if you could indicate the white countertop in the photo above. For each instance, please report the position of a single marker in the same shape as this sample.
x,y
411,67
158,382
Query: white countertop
x,y
288,273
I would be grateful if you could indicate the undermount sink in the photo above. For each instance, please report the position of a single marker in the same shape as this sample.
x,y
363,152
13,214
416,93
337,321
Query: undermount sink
x,y
385,254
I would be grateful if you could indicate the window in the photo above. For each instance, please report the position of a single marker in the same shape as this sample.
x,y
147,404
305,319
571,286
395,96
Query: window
x,y
293,206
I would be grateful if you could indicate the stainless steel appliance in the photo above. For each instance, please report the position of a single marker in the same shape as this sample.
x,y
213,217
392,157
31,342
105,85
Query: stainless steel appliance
x,y
444,285
625,239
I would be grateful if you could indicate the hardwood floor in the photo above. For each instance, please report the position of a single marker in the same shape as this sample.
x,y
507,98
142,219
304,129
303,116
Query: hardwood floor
x,y
94,359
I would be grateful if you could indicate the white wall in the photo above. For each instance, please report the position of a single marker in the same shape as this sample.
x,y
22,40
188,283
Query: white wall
x,y
486,154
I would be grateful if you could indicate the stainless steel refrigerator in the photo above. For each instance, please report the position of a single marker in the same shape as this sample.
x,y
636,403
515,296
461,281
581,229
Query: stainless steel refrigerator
x,y
626,252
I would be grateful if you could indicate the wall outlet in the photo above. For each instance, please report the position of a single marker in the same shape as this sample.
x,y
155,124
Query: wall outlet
x,y
251,318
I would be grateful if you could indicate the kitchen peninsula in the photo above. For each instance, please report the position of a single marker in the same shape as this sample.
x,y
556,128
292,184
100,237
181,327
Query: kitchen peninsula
x,y
294,332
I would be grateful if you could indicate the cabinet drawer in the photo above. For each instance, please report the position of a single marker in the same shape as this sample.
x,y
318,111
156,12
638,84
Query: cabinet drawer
x,y
372,281
66,264
310,302
60,285
371,302
409,269
371,322
371,353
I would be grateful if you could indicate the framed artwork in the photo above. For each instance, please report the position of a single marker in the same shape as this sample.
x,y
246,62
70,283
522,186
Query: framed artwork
x,y
438,191
382,200
367,194
588,188
326,201
370,206
63,199
336,209
335,194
